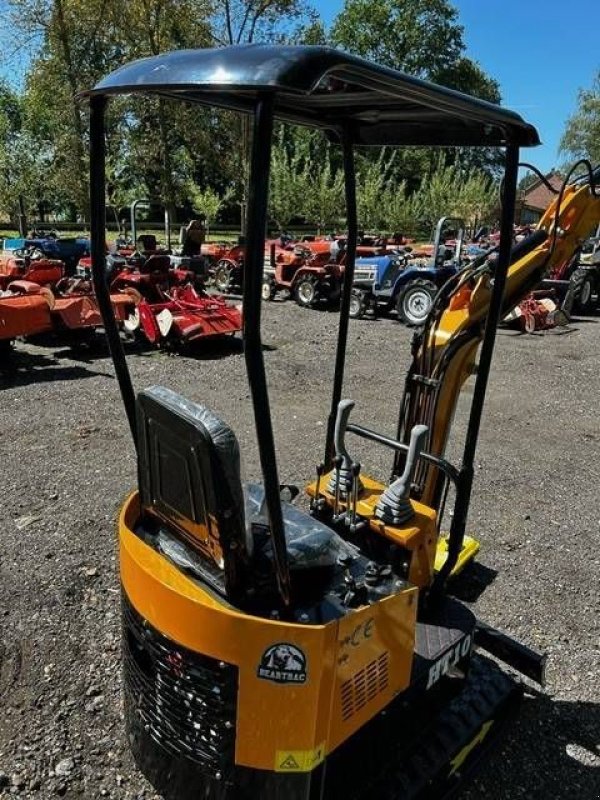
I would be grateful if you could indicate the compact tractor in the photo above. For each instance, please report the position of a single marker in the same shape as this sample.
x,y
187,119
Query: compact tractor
x,y
67,250
269,652
580,277
312,272
29,263
305,271
587,275
404,281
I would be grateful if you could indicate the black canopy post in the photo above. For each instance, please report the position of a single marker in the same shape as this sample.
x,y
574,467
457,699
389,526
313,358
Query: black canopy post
x,y
465,478
258,191
340,355
98,236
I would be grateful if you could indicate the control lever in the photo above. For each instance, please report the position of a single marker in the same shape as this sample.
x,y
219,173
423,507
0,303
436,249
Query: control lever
x,y
344,480
315,502
352,515
337,463
394,506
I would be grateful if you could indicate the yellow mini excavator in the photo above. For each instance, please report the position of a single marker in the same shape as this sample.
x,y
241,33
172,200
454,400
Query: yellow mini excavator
x,y
275,654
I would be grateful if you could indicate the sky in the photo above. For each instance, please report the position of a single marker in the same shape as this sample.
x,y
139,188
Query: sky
x,y
541,52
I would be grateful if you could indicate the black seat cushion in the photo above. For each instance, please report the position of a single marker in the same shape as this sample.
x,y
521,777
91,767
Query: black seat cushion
x,y
310,543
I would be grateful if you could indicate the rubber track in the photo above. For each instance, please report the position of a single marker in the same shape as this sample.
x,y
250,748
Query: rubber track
x,y
423,774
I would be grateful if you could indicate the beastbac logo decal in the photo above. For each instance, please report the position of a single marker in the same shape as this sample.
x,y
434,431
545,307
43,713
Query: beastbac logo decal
x,y
283,663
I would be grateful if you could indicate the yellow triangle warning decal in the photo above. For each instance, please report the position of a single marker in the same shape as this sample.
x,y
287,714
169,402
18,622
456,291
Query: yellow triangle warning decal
x,y
289,763
299,760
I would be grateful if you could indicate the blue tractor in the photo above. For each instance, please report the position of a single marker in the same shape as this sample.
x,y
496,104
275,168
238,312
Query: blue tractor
x,y
399,281
69,250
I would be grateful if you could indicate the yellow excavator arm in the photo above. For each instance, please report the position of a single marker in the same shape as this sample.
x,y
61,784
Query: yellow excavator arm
x,y
446,351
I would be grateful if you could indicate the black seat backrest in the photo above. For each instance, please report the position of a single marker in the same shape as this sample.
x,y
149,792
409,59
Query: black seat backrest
x,y
148,242
155,263
189,478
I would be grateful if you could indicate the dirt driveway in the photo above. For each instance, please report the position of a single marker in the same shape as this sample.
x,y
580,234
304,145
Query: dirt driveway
x,y
67,463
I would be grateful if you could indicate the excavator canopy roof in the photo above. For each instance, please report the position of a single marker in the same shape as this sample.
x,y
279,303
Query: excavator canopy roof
x,y
324,88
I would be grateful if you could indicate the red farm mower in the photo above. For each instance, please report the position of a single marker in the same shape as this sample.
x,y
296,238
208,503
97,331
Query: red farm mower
x,y
171,306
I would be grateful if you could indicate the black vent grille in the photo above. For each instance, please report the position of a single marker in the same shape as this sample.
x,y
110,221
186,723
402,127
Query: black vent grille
x,y
185,701
365,685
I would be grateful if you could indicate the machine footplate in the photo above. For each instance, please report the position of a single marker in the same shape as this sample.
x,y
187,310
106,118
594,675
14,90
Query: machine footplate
x,y
451,628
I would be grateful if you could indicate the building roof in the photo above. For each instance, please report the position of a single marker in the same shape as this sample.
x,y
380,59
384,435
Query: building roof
x,y
324,88
537,196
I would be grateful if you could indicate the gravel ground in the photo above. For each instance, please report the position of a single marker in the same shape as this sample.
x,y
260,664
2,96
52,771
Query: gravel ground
x,y
68,463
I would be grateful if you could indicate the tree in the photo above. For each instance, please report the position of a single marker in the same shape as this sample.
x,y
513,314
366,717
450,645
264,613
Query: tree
x,y
421,37
581,138
23,161
73,51
207,201
236,21
289,180
373,182
325,203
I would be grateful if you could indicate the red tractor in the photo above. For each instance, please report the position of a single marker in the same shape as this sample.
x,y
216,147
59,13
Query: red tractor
x,y
311,272
229,269
307,272
30,264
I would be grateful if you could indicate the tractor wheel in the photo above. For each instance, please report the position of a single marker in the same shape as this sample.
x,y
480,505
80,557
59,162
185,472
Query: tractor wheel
x,y
306,291
582,284
268,289
415,301
223,277
358,304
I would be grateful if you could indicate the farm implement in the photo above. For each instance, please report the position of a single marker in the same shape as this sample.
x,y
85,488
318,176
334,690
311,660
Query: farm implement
x,y
36,297
28,309
183,316
171,306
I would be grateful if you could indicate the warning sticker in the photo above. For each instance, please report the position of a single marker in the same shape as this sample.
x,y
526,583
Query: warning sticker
x,y
299,760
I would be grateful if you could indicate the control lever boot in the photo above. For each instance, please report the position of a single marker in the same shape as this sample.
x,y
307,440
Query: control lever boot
x,y
346,478
394,506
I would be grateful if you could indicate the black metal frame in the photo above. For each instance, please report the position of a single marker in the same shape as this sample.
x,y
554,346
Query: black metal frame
x,y
464,483
98,248
262,104
133,222
340,354
258,191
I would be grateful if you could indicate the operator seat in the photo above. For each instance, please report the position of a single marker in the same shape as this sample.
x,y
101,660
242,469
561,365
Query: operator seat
x,y
148,242
189,480
155,263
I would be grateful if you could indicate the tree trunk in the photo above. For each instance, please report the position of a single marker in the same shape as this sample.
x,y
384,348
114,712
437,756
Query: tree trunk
x,y
80,158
